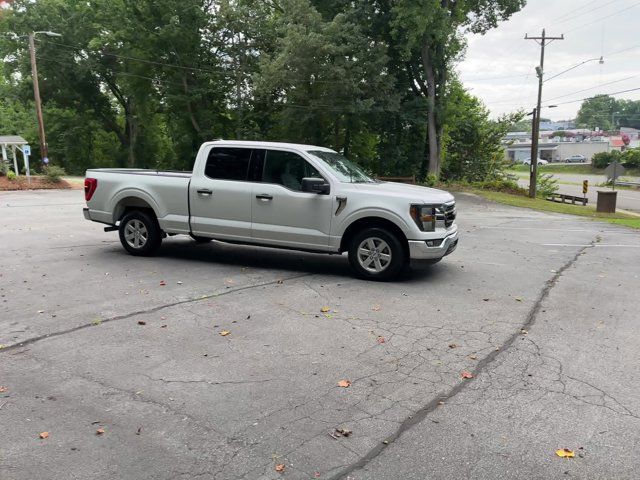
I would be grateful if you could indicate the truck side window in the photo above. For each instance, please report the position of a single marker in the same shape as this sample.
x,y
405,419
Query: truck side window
x,y
228,163
287,169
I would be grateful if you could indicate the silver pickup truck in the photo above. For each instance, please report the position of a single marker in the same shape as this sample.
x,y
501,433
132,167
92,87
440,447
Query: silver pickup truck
x,y
282,195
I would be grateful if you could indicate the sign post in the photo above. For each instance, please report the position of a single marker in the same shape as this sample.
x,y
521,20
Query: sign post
x,y
585,187
613,171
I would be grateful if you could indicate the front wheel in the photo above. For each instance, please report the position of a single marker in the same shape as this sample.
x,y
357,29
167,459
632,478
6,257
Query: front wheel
x,y
140,233
377,254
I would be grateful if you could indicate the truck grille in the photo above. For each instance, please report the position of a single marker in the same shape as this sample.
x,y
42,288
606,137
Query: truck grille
x,y
447,214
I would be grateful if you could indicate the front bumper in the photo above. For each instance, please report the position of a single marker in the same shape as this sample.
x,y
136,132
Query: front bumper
x,y
419,250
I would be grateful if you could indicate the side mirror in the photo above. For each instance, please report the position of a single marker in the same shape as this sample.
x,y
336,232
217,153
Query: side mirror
x,y
315,185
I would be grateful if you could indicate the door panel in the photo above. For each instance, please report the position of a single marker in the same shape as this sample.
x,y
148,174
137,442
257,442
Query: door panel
x,y
284,215
220,200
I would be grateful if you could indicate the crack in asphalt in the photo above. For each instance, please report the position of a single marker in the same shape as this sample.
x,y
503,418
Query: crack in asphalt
x,y
420,415
155,309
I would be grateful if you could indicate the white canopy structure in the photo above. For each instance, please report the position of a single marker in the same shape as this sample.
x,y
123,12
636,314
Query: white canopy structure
x,y
15,142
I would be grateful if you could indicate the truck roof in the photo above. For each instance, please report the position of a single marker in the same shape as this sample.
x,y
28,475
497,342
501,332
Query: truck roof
x,y
257,144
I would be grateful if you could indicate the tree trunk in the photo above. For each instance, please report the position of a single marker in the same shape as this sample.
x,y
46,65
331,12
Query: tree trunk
x,y
432,130
131,132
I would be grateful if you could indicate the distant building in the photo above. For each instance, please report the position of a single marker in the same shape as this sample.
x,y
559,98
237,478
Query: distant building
x,y
560,125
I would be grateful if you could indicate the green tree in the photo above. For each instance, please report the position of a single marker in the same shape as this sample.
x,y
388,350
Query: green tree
x,y
597,112
472,148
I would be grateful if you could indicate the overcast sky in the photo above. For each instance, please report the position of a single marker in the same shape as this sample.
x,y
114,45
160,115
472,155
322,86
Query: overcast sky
x,y
499,66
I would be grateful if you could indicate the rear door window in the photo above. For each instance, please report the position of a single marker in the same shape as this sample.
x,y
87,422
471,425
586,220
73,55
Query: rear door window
x,y
225,163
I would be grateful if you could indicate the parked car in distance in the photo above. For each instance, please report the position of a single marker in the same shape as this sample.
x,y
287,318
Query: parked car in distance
x,y
576,159
527,161
281,195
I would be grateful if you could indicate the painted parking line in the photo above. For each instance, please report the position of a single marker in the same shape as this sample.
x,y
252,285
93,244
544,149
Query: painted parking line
x,y
598,245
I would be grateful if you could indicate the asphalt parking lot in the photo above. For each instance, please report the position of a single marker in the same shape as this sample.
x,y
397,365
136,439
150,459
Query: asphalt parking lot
x,y
121,359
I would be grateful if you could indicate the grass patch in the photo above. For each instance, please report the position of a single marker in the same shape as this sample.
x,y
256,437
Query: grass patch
x,y
571,168
546,206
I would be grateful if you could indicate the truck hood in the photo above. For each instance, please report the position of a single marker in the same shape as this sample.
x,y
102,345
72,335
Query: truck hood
x,y
412,193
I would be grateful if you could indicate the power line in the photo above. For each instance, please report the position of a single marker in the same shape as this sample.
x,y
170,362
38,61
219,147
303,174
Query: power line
x,y
603,18
573,11
584,12
591,88
601,94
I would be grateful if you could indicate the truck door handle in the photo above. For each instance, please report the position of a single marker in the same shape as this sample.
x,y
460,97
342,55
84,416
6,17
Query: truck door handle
x,y
264,196
205,191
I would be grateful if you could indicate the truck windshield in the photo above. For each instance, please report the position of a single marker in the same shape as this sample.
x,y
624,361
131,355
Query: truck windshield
x,y
342,167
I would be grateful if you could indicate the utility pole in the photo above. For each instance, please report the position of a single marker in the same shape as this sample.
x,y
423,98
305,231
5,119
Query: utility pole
x,y
44,154
543,41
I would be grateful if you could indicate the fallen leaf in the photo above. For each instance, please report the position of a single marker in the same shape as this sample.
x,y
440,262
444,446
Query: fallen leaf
x,y
163,326
179,282
141,322
279,282
440,402
97,321
381,339
3,389
316,474
44,435
344,383
517,299
473,357
485,299
280,467
100,431
40,311
523,331
345,432
565,453
452,345
162,283
139,431
224,333
325,309
376,308
466,374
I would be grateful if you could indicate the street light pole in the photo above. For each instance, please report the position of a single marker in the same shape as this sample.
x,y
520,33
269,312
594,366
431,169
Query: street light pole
x,y
44,148
544,41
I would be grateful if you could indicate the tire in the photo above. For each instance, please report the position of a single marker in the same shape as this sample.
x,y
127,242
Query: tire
x,y
199,239
140,233
391,255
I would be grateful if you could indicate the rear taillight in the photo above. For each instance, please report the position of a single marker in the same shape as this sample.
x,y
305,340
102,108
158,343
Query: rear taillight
x,y
90,185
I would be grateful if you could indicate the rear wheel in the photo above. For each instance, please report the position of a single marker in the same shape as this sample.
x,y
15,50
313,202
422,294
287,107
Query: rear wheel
x,y
377,254
140,233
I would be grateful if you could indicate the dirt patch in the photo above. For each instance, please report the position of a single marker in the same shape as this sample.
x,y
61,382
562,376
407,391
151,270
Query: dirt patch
x,y
37,183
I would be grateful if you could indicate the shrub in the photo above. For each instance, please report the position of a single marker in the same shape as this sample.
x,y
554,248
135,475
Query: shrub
x,y
53,173
603,159
11,175
4,168
546,185
631,158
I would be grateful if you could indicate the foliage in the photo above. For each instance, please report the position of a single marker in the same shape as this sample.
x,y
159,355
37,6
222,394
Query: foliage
x,y
4,168
11,175
631,158
608,113
471,140
546,184
144,83
54,173
603,159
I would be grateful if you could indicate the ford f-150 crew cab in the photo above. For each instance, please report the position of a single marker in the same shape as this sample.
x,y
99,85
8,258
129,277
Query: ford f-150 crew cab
x,y
282,195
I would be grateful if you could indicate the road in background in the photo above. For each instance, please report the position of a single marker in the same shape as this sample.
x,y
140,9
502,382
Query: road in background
x,y
628,199
122,360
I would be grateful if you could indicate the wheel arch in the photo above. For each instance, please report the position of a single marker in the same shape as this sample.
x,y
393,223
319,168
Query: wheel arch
x,y
372,222
128,201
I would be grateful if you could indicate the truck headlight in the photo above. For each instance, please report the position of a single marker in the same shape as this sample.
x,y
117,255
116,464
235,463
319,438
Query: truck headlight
x,y
424,216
